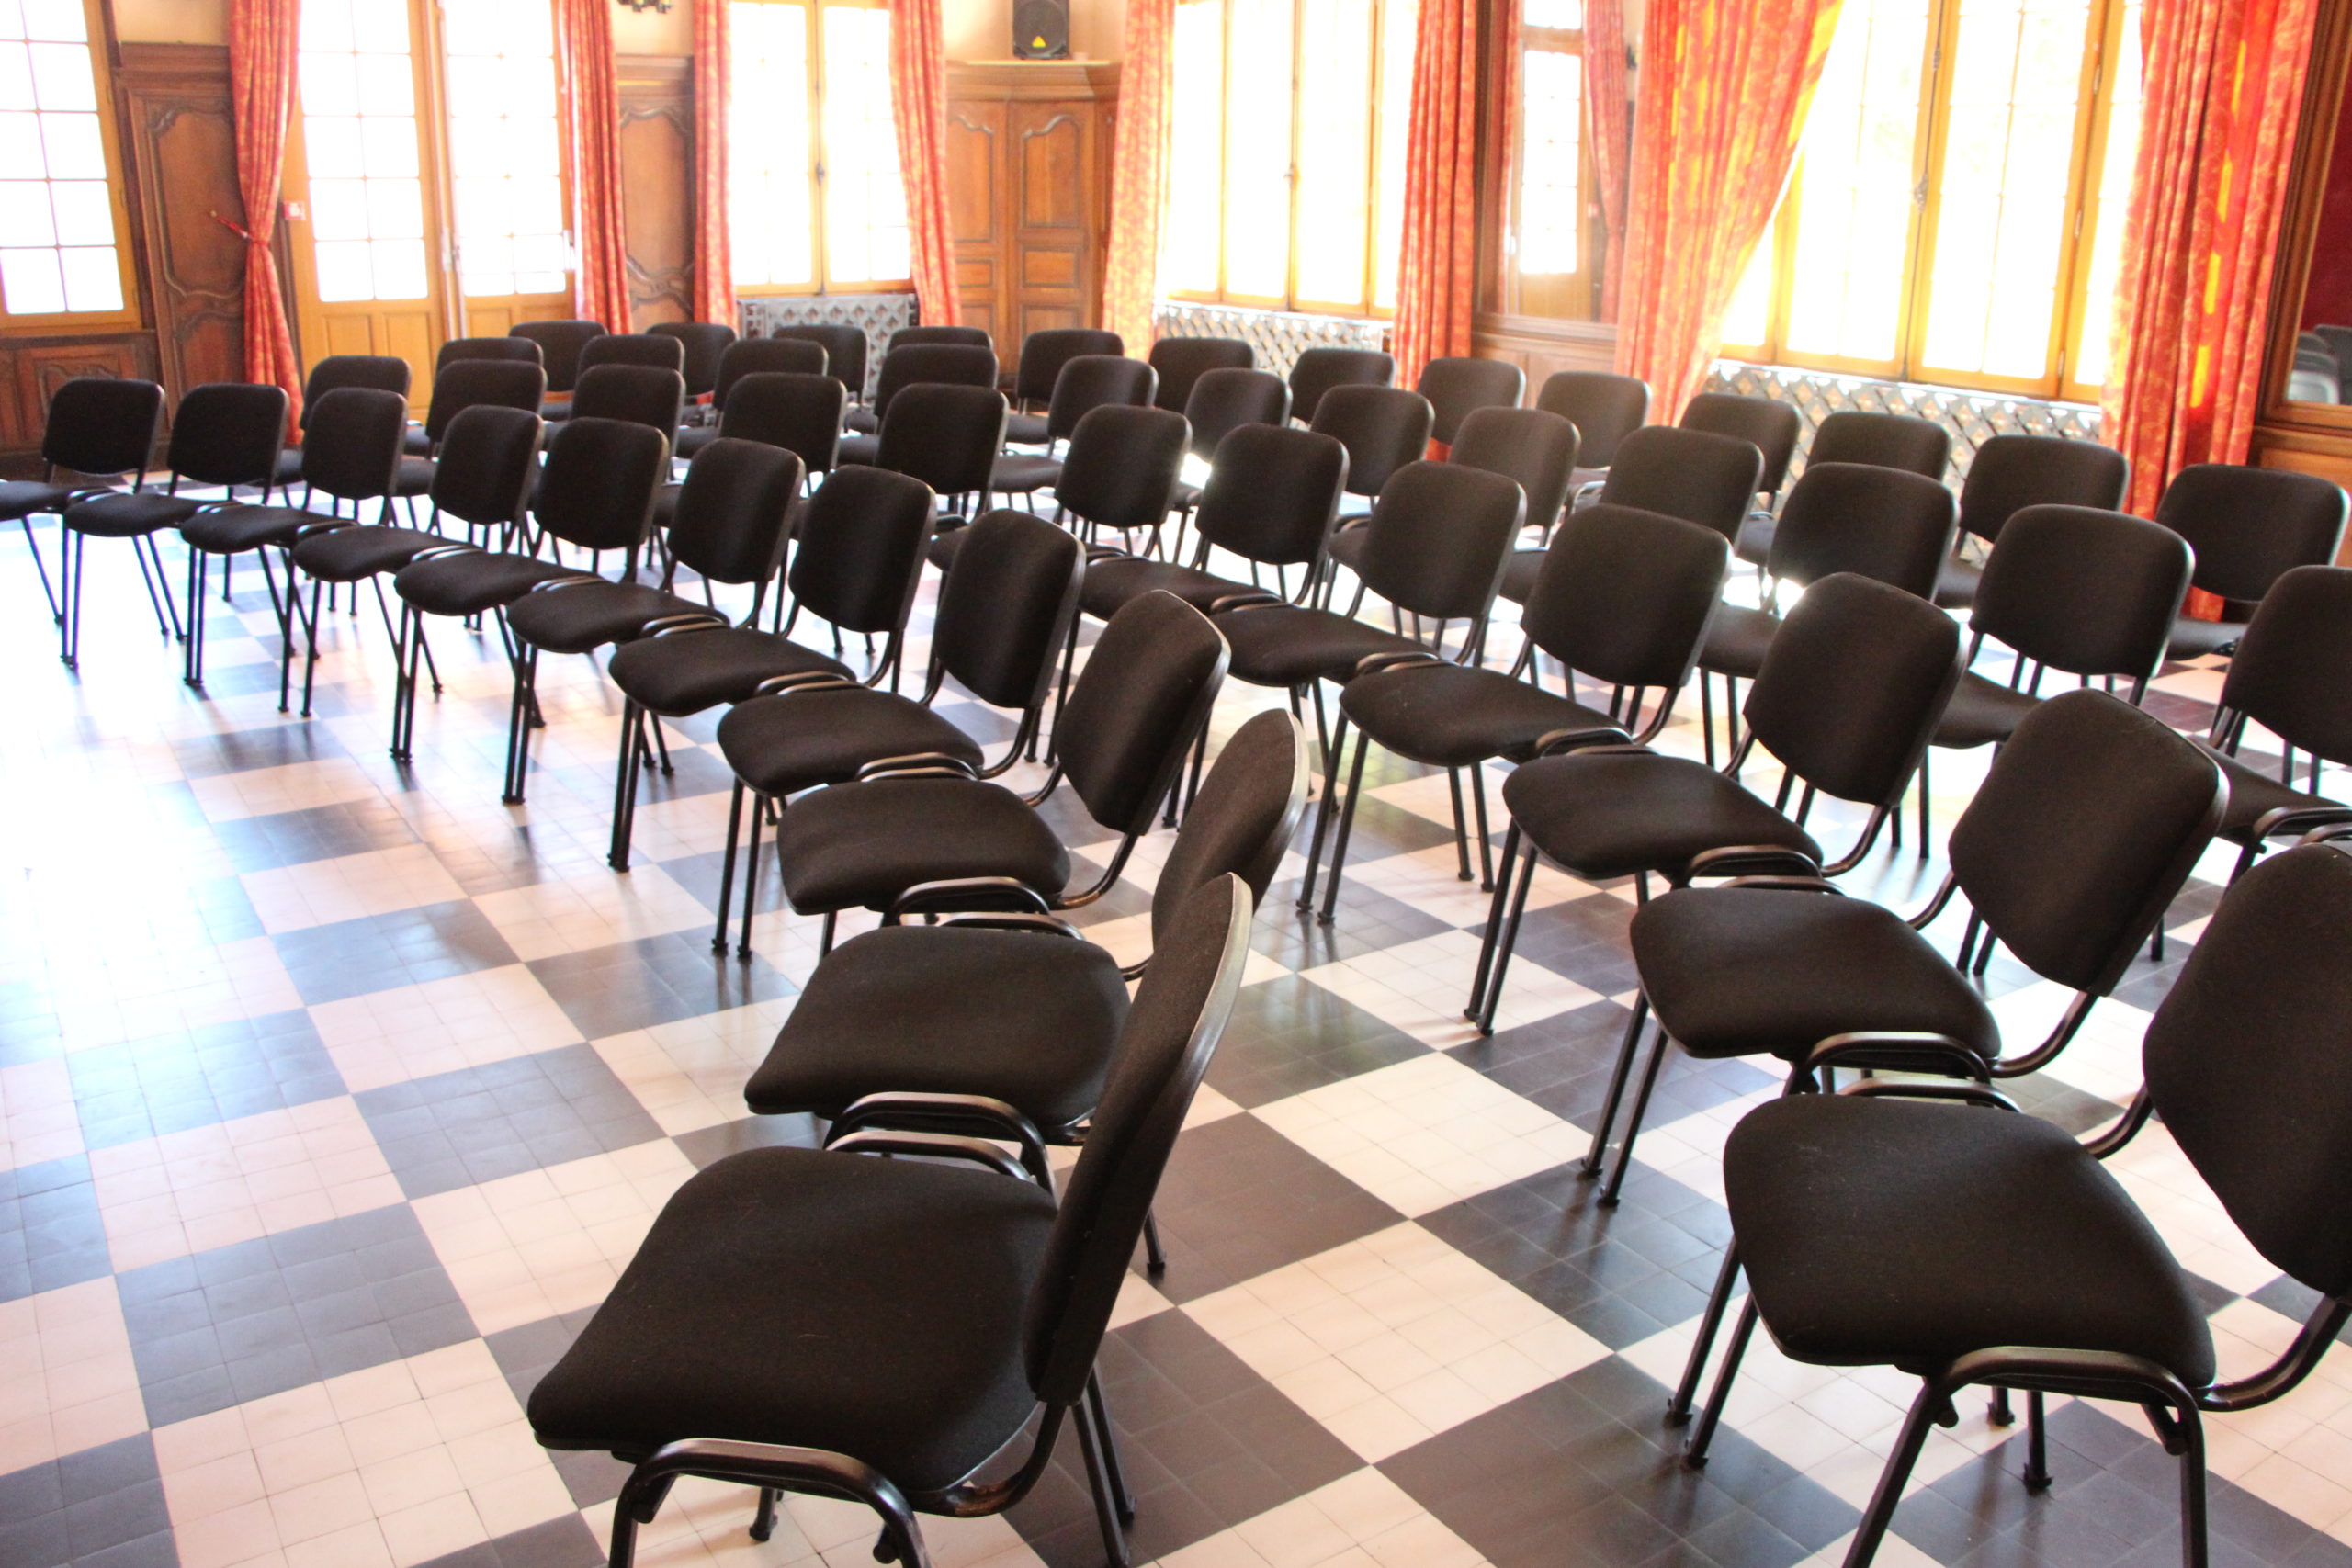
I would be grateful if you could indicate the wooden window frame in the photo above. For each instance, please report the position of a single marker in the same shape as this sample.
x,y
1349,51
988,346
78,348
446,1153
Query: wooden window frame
x,y
1584,283
97,26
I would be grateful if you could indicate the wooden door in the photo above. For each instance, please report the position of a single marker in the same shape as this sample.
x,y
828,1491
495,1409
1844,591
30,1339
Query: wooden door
x,y
507,193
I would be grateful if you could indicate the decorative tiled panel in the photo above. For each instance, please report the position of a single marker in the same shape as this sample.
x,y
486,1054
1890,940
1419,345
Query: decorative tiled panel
x,y
879,314
1973,418
1279,336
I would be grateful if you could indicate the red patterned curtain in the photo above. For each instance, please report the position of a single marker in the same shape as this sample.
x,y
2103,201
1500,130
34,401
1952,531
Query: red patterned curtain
x,y
1437,275
1139,172
919,108
262,39
1605,111
1726,85
714,298
583,30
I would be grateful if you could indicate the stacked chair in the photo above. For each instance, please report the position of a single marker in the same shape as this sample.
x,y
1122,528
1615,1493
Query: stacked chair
x,y
98,427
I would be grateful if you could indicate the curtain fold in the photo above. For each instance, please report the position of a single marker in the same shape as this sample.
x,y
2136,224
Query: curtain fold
x,y
1437,274
713,295
593,157
919,110
1726,85
263,36
1139,153
1608,133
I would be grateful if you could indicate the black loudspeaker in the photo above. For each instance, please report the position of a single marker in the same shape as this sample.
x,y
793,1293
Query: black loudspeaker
x,y
1041,29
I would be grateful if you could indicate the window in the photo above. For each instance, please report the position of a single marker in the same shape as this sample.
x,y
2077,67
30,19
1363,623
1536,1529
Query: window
x,y
814,202
62,260
1546,269
1957,200
505,160
360,147
1288,188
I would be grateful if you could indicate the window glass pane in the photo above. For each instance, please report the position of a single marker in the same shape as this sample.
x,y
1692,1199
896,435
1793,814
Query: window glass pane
x,y
61,78
1335,97
1552,116
15,77
61,21
503,154
771,227
366,203
31,283
1257,156
865,202
76,150
1399,26
1195,148
2104,221
84,213
52,152
1747,321
93,278
1564,14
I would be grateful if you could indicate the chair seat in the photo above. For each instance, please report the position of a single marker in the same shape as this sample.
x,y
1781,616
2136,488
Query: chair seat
x,y
347,554
590,613
1024,1017
1184,498
471,582
235,529
862,420
1022,474
1520,573
694,439
1111,584
289,466
1604,814
1746,972
415,477
870,1307
784,744
126,516
861,449
1956,583
1981,713
1283,645
1347,546
866,844
1880,1232
2193,638
665,506
1025,430
556,408
1450,716
685,672
415,443
1755,542
1738,638
2254,795
22,498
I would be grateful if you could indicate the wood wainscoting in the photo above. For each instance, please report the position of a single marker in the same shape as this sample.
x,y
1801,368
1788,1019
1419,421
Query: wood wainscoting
x,y
1542,347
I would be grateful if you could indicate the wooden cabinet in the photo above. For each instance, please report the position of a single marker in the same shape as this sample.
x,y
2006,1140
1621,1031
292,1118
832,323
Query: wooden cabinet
x,y
1028,157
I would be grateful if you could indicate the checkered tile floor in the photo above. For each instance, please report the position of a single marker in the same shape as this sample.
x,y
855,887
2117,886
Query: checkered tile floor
x,y
333,1094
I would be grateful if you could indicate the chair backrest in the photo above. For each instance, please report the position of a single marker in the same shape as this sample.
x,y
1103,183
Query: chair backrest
x,y
1438,537
706,343
653,349
559,345
641,394
1006,606
946,436
229,433
1695,475
734,511
1883,523
1142,697
1623,596
1456,386
1852,685
1243,819
1090,381
488,464
945,364
846,351
102,425
1272,493
2244,1061
2012,472
471,383
1121,468
515,350
1319,370
1225,398
596,490
1768,425
915,337
1538,449
1043,354
2292,672
1383,428
388,372
1605,410
1182,361
1881,440
762,357
1171,1030
799,411
860,547
353,447
2091,816
2249,525
2086,592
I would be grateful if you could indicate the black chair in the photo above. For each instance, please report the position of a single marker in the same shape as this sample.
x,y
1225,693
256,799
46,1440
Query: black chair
x,y
1539,450
2292,675
387,372
947,436
1002,612
799,411
2086,825
1087,382
921,835
912,337
657,351
755,356
1883,441
349,450
1605,410
1768,425
2009,473
559,345
1317,370
1844,704
633,394
1695,475
1623,599
99,426
947,364
1182,361
1119,473
2247,526
1995,1249
1222,402
730,524
1383,428
782,1324
226,433
845,352
515,350
857,557
488,457
705,344
594,492
469,383
1043,354
1456,387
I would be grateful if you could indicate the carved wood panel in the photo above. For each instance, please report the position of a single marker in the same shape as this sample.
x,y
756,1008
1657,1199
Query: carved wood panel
x,y
657,143
180,142
1026,151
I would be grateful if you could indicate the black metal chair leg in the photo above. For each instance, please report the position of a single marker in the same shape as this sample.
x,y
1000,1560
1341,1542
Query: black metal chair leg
x,y
1703,1435
2037,1444
311,654
1707,716
825,932
752,883
1486,836
1881,1513
1155,1258
1495,906
726,865
625,786
1678,1405
147,581
1099,1409
1106,1510
1925,803
69,572
1616,1095
1509,942
1633,1117
192,656
764,1520
1323,816
1461,828
33,546
518,730
1999,1411
1347,824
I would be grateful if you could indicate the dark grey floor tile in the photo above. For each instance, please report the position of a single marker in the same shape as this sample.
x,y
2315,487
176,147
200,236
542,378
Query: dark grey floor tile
x,y
566,1542
705,1145
143,1088
1367,921
1289,1036
474,1126
656,979
50,1233
101,1505
241,750
318,832
379,953
1240,1199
